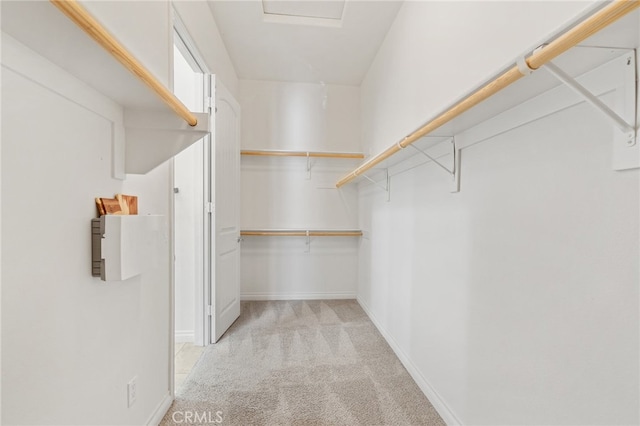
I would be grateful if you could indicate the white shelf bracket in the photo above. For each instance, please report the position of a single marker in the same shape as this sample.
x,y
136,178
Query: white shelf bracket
x,y
308,166
454,172
386,187
456,168
308,250
626,128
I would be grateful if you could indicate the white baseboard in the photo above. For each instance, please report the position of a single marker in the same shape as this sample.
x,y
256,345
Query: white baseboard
x,y
184,336
296,296
160,410
441,407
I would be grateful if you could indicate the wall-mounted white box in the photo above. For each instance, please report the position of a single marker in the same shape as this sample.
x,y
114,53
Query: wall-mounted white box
x,y
126,246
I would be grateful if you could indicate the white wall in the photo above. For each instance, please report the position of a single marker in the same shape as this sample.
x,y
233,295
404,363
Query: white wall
x,y
70,341
300,116
144,27
514,301
437,51
277,193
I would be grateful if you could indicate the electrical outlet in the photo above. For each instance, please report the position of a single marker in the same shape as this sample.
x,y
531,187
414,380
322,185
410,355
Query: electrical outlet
x,y
132,391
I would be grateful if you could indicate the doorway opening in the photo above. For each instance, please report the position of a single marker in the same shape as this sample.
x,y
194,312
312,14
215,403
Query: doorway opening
x,y
206,212
191,170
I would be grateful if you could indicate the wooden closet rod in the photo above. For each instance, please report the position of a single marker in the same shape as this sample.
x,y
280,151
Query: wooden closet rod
x,y
95,30
575,35
297,233
303,154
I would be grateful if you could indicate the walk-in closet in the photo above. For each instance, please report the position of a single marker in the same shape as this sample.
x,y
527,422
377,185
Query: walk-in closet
x,y
327,212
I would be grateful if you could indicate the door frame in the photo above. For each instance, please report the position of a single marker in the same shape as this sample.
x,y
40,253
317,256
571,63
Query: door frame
x,y
180,38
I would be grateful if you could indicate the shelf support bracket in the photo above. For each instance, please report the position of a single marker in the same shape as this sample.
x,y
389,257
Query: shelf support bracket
x,y
308,242
308,165
386,187
454,173
626,128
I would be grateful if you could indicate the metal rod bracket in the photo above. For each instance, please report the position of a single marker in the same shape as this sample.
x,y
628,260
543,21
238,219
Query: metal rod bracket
x,y
523,66
435,160
631,138
628,129
454,173
386,187
456,168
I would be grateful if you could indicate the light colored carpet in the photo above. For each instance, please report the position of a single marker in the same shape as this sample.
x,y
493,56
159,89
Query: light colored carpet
x,y
301,363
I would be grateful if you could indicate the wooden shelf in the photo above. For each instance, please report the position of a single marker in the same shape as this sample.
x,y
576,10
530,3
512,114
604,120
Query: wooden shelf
x,y
275,153
156,125
300,233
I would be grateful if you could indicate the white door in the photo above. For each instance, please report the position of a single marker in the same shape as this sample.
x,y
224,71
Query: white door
x,y
225,218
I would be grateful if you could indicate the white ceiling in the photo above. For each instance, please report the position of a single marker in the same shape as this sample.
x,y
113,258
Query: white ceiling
x,y
307,41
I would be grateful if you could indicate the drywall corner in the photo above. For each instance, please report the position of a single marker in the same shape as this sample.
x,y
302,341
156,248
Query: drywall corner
x,y
203,29
438,403
160,411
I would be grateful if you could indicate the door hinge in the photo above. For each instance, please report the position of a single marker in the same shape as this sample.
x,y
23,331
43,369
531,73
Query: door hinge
x,y
210,310
209,102
209,207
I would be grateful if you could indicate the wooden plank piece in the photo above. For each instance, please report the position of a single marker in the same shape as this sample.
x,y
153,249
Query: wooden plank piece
x,y
301,233
269,153
111,206
100,206
128,203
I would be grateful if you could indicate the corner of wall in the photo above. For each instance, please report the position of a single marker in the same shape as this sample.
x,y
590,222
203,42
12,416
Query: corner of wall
x,y
202,27
432,395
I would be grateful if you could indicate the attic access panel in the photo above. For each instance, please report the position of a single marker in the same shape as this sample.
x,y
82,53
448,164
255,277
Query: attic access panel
x,y
304,9
314,13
